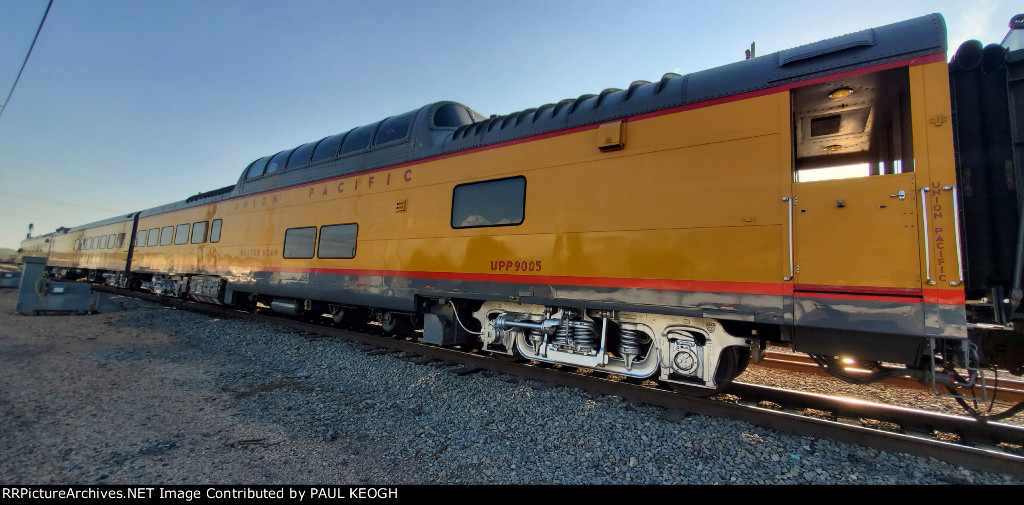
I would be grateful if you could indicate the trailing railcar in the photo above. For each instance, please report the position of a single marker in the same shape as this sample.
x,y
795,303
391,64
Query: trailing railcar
x,y
669,229
94,251
35,247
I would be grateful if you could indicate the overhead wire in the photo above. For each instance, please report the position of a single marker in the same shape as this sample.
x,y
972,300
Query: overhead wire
x,y
3,106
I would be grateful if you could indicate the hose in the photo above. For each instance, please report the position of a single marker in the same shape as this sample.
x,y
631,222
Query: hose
x,y
467,330
975,412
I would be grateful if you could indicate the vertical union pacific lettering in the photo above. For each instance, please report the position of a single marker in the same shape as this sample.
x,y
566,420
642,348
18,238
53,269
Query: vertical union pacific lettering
x,y
938,240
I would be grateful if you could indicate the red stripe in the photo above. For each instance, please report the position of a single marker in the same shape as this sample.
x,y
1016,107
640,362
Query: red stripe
x,y
860,290
922,60
849,296
940,296
908,295
946,296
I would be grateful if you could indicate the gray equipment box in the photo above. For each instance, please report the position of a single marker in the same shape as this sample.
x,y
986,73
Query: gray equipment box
x,y
37,294
10,279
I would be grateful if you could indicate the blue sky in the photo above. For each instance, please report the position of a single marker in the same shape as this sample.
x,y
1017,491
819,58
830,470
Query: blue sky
x,y
130,104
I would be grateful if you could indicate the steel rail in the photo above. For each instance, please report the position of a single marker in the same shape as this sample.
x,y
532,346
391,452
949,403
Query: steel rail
x,y
1009,390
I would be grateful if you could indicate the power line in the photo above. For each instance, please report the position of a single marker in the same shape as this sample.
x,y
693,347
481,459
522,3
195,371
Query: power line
x,y
35,198
29,53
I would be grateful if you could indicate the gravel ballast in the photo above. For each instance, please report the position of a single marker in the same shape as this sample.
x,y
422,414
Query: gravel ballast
x,y
156,395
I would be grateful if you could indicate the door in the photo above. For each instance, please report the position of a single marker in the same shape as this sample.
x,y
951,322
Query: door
x,y
857,236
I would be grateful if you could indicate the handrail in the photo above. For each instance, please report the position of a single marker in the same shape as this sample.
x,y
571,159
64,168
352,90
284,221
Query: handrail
x,y
956,228
791,273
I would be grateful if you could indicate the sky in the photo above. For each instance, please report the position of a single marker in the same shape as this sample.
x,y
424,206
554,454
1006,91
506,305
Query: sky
x,y
125,105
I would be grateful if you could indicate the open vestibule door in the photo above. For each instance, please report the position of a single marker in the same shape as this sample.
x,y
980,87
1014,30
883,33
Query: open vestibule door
x,y
855,203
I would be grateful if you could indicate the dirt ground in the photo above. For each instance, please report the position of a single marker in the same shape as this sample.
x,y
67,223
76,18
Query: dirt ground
x,y
86,400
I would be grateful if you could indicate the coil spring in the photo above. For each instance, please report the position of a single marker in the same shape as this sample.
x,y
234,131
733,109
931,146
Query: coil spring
x,y
536,337
629,341
584,337
563,335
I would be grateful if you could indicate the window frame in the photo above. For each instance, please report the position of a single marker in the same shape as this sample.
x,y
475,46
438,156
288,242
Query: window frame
x,y
320,236
192,236
372,128
284,246
182,238
216,223
279,160
167,231
475,183
329,141
407,118
248,170
294,162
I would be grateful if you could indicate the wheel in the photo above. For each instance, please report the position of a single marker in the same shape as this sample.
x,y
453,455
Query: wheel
x,y
743,355
348,317
396,324
728,369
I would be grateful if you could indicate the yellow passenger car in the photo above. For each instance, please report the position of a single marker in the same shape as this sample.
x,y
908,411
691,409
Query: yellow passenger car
x,y
668,230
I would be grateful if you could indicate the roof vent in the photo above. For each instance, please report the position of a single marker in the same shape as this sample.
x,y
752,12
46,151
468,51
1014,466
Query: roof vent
x,y
864,38
664,81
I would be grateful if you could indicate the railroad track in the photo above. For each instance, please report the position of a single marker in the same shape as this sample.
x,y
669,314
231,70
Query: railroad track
x,y
1007,390
982,446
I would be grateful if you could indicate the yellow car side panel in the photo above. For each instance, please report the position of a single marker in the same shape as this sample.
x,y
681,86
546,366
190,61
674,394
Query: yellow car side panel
x,y
64,255
933,138
695,195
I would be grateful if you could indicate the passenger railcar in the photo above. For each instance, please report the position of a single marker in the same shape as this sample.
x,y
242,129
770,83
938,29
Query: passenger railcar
x,y
35,247
669,230
93,250
175,242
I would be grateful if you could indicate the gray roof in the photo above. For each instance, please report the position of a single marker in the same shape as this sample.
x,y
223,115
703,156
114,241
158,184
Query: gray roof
x,y
895,42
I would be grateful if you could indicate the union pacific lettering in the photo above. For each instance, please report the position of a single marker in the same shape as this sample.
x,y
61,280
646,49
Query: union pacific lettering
x,y
361,183
939,241
256,202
